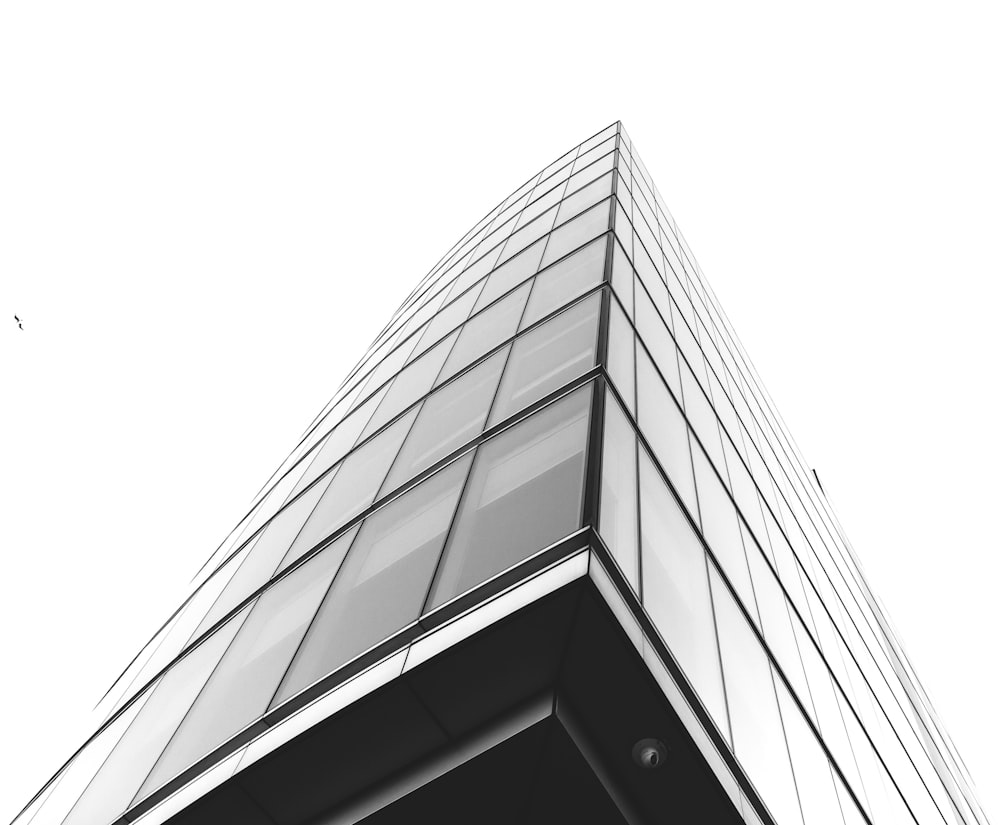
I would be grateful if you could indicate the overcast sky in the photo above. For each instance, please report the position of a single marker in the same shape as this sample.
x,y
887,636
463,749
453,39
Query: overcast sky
x,y
209,209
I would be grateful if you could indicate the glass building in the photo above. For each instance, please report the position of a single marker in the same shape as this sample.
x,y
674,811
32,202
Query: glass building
x,y
549,554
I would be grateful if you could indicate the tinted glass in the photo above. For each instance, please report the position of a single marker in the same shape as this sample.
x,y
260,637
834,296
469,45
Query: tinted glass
x,y
353,488
242,685
548,357
664,427
619,505
449,318
622,278
758,737
123,772
412,384
525,492
384,579
576,232
512,273
452,416
560,284
621,356
482,333
675,589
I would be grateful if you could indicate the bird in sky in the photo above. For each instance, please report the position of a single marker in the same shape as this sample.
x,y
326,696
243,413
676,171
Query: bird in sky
x,y
19,324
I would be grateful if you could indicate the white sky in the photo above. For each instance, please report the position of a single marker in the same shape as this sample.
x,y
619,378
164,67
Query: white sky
x,y
208,209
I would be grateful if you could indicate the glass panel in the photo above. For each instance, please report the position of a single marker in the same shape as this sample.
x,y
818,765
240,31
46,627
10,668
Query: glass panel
x,y
67,787
353,487
242,686
449,318
619,501
657,339
560,284
758,737
622,279
675,590
486,330
548,357
577,232
812,769
512,273
261,562
528,235
340,441
384,580
449,418
412,384
661,422
585,197
526,491
621,356
720,525
124,770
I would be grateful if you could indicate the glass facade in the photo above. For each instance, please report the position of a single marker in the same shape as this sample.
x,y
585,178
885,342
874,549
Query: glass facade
x,y
565,367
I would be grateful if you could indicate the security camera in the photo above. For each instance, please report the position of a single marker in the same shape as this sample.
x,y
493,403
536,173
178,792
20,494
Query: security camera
x,y
649,753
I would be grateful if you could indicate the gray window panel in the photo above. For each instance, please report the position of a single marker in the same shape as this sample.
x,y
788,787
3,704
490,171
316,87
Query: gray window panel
x,y
449,418
599,138
774,623
587,157
560,284
340,441
541,201
657,339
720,524
813,776
650,277
389,366
577,232
624,190
584,175
353,488
383,581
623,229
758,738
702,418
412,384
664,427
525,492
479,269
584,198
451,317
623,279
486,330
242,685
114,786
621,356
528,235
548,357
676,592
618,523
504,278
257,566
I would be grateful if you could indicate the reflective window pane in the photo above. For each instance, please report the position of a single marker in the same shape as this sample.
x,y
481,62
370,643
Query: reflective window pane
x,y
353,488
242,685
112,790
525,492
584,197
622,278
662,424
758,737
451,317
506,277
577,232
560,284
452,416
548,357
486,330
675,589
621,356
528,235
412,384
384,579
619,502
721,528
